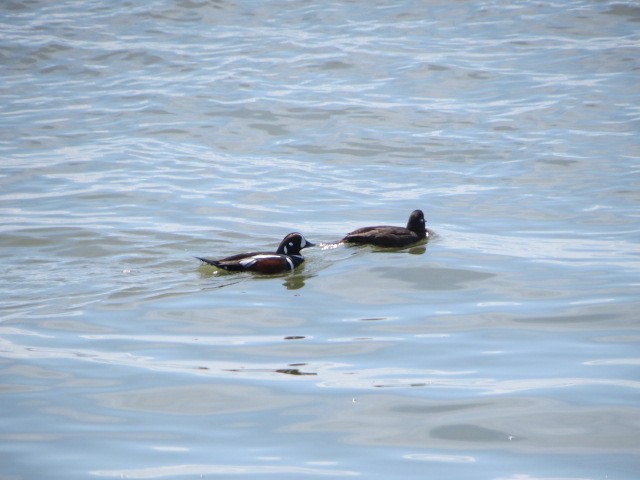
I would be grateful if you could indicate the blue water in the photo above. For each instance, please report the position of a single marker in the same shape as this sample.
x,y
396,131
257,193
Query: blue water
x,y
135,136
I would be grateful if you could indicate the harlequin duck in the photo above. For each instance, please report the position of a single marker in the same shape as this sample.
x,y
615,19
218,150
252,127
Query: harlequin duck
x,y
287,257
385,236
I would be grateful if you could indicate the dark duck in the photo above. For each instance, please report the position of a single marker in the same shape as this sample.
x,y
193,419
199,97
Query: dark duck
x,y
391,237
286,257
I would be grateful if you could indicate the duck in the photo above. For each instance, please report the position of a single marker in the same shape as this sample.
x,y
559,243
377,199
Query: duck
x,y
287,257
391,237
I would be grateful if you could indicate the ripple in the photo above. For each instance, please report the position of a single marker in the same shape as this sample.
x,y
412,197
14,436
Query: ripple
x,y
135,138
173,470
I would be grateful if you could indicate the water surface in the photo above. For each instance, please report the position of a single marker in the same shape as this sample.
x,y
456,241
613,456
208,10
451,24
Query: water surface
x,y
135,137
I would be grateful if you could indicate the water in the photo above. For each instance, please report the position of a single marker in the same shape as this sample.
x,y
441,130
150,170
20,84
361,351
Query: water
x,y
135,136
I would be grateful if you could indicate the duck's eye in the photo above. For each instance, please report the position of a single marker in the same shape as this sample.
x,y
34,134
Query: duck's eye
x,y
291,244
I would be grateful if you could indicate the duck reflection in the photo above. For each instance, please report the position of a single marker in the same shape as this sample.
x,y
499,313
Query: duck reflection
x,y
292,281
295,281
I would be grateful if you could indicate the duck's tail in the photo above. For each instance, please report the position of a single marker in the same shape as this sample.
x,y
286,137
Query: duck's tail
x,y
215,263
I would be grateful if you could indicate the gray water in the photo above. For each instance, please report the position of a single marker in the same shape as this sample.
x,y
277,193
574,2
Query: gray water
x,y
137,135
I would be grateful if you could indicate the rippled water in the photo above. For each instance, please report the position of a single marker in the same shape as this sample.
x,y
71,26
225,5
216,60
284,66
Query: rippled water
x,y
134,136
